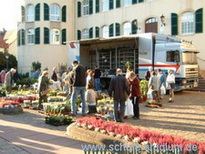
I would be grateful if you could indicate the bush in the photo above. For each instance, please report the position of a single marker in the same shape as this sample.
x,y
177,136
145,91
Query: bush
x,y
36,66
26,81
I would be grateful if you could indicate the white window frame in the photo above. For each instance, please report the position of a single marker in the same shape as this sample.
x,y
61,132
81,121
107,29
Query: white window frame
x,y
55,36
127,2
127,29
30,10
105,5
85,34
30,36
188,23
55,12
105,31
85,6
151,20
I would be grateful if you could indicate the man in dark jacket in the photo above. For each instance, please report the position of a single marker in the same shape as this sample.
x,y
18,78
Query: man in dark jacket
x,y
120,87
79,82
97,75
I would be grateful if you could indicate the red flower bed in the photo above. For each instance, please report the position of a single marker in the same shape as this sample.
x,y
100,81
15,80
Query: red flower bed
x,y
21,99
8,102
144,135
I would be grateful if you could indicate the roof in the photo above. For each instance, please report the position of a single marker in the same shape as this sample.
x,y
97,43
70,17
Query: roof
x,y
2,43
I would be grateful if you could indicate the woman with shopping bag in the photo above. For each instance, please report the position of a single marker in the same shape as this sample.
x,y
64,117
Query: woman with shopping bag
x,y
135,93
170,84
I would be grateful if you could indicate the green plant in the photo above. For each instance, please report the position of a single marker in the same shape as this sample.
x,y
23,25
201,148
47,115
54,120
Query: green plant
x,y
144,87
36,66
128,64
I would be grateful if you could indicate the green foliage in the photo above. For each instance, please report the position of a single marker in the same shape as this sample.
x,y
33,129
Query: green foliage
x,y
26,81
2,91
59,120
144,87
12,62
36,66
128,64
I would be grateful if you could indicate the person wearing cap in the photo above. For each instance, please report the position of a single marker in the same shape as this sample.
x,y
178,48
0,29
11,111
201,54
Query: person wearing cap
x,y
9,80
119,89
170,84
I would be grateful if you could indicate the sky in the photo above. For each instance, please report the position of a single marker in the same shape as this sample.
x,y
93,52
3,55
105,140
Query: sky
x,y
10,14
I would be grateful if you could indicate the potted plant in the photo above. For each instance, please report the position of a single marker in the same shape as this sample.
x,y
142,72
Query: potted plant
x,y
144,89
35,104
26,103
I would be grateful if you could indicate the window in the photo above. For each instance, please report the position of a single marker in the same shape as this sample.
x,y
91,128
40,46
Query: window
x,y
188,23
189,58
127,2
151,20
30,13
85,34
105,5
30,36
173,56
55,36
127,28
86,7
55,13
105,31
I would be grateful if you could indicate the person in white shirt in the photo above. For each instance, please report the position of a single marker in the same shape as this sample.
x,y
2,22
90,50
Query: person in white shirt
x,y
170,84
91,98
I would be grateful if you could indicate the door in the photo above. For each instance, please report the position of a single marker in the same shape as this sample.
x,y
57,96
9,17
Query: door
x,y
151,25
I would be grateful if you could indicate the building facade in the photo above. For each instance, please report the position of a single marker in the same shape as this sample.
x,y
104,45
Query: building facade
x,y
86,19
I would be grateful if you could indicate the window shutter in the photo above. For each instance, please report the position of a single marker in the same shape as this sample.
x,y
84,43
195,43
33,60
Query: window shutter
x,y
22,14
174,23
46,12
64,13
18,37
134,27
111,30
23,37
37,12
79,35
63,39
118,4
37,35
134,1
79,9
97,32
199,21
141,1
111,3
97,6
46,36
90,6
91,33
117,29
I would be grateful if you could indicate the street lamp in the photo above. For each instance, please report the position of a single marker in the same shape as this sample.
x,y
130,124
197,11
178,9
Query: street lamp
x,y
163,19
7,61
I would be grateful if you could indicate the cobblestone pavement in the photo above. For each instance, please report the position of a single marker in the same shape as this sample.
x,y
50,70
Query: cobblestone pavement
x,y
185,117
28,133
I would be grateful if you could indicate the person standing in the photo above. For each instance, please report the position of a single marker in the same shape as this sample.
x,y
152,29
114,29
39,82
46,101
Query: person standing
x,y
89,77
54,76
148,73
119,87
91,98
97,74
162,82
42,88
135,93
9,79
154,85
170,84
2,76
79,84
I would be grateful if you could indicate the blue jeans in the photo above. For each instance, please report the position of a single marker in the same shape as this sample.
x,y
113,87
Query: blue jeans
x,y
74,95
97,84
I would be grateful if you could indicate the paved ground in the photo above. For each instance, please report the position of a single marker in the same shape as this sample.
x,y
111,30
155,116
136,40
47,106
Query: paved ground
x,y
27,132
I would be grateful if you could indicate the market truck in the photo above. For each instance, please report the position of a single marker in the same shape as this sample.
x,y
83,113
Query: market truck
x,y
142,50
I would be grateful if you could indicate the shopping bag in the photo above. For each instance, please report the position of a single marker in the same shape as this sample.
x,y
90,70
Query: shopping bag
x,y
163,90
129,108
150,93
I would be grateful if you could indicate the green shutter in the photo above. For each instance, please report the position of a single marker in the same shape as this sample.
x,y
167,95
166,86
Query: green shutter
x,y
174,23
18,38
90,6
79,9
46,36
134,27
37,12
117,29
46,12
118,4
97,32
64,36
140,1
199,21
23,40
134,1
64,13
79,35
37,35
111,4
97,6
111,30
22,14
91,33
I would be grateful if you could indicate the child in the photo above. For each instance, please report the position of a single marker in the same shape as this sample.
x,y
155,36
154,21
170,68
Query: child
x,y
90,98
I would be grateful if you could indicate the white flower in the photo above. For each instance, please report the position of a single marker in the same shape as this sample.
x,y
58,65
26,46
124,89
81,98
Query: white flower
x,y
144,143
136,140
90,126
119,136
97,129
126,138
111,134
103,131
84,125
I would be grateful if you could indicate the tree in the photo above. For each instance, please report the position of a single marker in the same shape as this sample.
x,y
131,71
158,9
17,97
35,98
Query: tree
x,y
36,66
12,62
